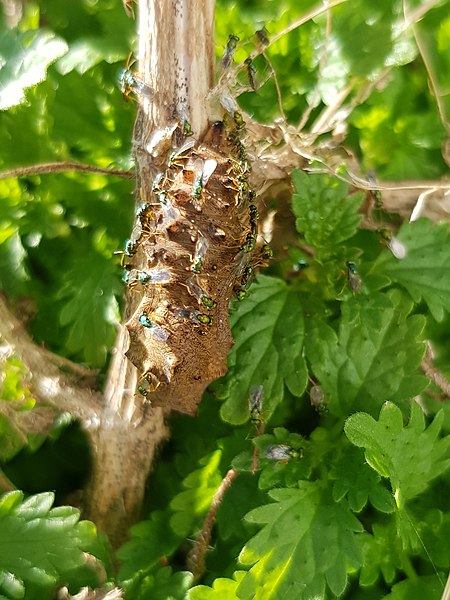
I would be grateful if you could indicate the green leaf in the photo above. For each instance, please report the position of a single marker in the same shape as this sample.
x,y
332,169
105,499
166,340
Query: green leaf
x,y
163,585
425,270
326,215
90,308
41,547
429,587
151,540
222,589
361,366
12,263
355,480
25,57
268,330
189,506
365,43
432,35
410,456
433,529
282,474
307,541
382,554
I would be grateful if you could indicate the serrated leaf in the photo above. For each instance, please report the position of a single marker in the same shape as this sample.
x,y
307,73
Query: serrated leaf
x,y
382,554
189,506
355,480
90,308
429,587
41,547
151,540
434,532
268,329
274,473
25,57
365,43
374,356
410,456
222,589
163,585
326,214
14,273
307,542
425,270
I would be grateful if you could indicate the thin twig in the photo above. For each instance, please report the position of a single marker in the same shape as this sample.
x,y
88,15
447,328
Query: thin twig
x,y
196,557
64,363
438,378
446,593
430,68
61,167
230,75
277,87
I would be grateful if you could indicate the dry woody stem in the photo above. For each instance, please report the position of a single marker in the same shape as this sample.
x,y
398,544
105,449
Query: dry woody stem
x,y
196,557
62,167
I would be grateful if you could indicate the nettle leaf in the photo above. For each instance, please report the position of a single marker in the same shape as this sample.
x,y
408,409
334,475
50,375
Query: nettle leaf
x,y
268,330
308,541
164,585
90,308
429,587
355,480
434,532
189,506
326,215
151,540
282,473
222,589
25,57
41,547
382,554
13,271
410,456
374,356
365,43
425,270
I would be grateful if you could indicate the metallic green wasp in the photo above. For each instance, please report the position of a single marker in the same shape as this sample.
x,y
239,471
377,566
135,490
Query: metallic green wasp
x,y
130,83
250,243
354,280
201,248
195,316
251,71
282,453
201,296
156,331
255,405
148,383
317,399
230,49
178,156
168,214
254,216
202,172
262,35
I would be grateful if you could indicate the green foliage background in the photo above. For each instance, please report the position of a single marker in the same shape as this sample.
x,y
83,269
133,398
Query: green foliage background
x,y
364,512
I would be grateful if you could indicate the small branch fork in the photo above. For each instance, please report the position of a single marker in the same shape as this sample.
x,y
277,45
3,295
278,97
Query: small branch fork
x,y
196,557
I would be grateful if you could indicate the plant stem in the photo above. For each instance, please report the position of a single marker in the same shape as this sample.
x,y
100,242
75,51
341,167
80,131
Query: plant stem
x,y
196,557
176,51
62,167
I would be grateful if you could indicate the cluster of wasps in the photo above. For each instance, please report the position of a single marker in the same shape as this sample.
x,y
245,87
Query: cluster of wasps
x,y
193,245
